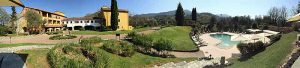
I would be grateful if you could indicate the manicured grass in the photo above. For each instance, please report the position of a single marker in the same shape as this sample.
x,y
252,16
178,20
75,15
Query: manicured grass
x,y
271,57
20,44
179,35
36,58
141,61
106,32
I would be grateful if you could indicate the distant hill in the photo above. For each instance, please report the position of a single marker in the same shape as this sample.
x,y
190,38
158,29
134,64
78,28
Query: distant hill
x,y
187,12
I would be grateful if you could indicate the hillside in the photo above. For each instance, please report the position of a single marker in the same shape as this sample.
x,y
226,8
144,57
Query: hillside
x,y
187,12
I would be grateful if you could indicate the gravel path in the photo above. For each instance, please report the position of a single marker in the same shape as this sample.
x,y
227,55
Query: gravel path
x,y
18,48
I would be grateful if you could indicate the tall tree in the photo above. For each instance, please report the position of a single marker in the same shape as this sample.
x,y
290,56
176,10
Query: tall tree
x,y
194,14
278,16
179,16
298,7
4,16
114,15
35,22
13,19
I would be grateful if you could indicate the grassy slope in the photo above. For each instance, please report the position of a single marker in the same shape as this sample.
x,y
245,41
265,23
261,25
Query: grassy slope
x,y
179,35
20,44
106,32
141,61
272,56
37,58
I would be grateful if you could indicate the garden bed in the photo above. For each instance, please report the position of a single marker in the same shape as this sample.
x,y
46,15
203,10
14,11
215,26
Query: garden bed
x,y
61,37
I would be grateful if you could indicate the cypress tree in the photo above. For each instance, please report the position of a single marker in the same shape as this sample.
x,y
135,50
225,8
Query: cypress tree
x,y
298,8
13,18
179,16
114,15
194,14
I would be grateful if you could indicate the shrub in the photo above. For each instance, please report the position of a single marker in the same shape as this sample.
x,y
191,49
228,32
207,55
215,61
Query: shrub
x,y
91,41
119,47
58,59
163,45
250,49
3,30
102,60
60,37
275,38
143,41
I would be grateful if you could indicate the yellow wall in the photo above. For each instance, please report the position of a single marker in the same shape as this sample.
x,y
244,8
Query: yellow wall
x,y
124,20
54,20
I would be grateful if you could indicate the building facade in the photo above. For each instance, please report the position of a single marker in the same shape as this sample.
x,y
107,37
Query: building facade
x,y
123,24
53,21
81,23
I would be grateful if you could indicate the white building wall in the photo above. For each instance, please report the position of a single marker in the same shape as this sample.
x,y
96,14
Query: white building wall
x,y
82,23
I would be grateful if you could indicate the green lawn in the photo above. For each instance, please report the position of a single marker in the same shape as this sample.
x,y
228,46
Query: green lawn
x,y
106,32
20,44
271,57
179,35
141,61
36,58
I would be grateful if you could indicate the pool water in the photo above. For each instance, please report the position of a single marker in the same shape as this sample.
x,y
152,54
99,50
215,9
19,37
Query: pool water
x,y
225,40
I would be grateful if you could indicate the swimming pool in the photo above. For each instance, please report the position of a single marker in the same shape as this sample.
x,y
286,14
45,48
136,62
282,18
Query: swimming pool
x,y
225,40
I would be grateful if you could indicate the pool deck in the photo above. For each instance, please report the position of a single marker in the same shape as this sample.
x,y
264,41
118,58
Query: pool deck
x,y
212,48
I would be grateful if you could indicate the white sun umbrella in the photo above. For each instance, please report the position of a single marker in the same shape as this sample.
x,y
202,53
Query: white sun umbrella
x,y
239,37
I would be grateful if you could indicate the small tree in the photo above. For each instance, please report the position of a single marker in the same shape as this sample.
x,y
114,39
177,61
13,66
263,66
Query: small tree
x,y
179,16
34,22
114,15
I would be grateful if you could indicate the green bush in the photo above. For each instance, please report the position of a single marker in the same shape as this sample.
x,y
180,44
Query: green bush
x,y
3,30
91,41
275,38
119,47
143,41
103,60
163,45
61,37
250,49
59,59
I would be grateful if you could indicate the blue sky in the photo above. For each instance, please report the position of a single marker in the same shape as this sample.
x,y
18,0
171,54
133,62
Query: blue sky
x,y
78,8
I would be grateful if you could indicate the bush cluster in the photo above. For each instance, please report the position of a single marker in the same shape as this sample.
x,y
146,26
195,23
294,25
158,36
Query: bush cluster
x,y
147,45
250,49
67,56
119,47
3,30
275,38
61,37
91,41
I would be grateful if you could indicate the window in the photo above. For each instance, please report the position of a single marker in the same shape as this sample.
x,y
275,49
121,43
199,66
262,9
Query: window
x,y
92,21
118,20
76,21
87,21
81,21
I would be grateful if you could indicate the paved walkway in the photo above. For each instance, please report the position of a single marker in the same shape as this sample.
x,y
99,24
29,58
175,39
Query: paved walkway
x,y
18,48
188,54
192,64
